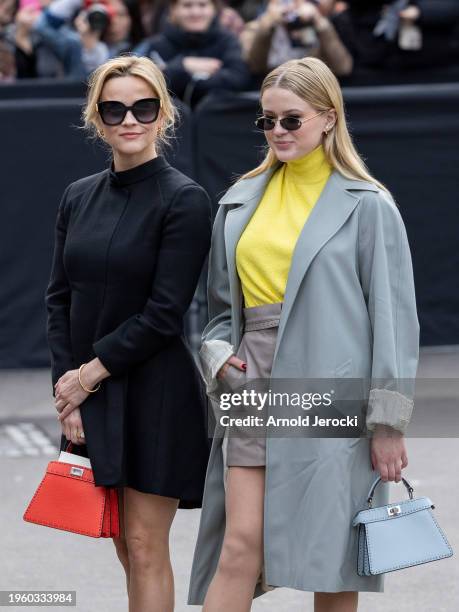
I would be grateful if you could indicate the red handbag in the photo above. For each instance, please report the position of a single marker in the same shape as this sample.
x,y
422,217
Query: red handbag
x,y
68,499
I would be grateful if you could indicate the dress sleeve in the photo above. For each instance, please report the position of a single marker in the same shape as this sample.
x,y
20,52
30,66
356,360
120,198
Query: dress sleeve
x,y
184,246
386,275
58,295
216,336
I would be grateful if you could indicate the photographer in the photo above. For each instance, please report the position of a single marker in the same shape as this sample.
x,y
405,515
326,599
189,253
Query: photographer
x,y
81,49
118,35
293,29
23,54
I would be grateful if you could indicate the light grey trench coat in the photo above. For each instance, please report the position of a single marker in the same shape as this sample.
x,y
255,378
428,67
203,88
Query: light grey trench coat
x,y
349,310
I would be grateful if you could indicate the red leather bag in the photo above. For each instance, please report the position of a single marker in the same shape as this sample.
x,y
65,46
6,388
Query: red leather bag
x,y
68,499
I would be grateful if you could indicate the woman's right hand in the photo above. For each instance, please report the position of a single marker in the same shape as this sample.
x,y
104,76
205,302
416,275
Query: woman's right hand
x,y
232,361
72,426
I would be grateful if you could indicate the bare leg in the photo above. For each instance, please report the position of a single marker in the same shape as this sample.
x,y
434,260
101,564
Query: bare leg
x,y
241,558
120,543
345,601
148,519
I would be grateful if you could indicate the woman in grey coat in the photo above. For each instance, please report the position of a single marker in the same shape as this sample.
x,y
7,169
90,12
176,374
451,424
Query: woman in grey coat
x,y
277,510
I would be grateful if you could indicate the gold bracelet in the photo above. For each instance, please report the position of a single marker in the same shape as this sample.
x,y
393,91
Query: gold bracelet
x,y
82,385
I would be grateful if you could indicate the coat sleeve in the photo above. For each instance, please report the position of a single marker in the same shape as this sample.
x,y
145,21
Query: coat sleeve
x,y
57,300
184,246
216,336
256,41
386,275
332,51
176,75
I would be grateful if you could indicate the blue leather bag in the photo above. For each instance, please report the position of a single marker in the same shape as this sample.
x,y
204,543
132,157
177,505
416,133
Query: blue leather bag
x,y
398,535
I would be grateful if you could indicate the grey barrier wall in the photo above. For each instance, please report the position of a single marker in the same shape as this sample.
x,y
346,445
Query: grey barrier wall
x,y
407,134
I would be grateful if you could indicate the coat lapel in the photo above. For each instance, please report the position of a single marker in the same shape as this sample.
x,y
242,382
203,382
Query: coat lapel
x,y
332,209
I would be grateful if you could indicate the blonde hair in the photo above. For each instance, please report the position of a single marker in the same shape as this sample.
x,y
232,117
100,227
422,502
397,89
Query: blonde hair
x,y
311,80
129,65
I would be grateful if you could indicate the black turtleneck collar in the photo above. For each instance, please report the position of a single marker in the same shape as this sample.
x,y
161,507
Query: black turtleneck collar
x,y
194,40
137,173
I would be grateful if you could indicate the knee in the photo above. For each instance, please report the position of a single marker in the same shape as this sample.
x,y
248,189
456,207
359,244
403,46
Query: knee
x,y
240,556
146,554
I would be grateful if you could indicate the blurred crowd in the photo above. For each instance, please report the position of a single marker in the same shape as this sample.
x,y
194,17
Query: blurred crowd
x,y
209,45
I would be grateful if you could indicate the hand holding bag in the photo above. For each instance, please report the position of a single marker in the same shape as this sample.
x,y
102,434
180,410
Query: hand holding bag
x,y
398,535
68,499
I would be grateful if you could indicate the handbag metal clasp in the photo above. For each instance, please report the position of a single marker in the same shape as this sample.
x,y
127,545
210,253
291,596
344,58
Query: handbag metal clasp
x,y
393,510
76,471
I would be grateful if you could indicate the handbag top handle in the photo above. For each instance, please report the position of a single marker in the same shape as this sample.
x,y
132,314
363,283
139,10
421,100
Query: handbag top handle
x,y
408,487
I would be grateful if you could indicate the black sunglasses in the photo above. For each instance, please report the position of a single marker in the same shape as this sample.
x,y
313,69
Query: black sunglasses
x,y
113,112
288,123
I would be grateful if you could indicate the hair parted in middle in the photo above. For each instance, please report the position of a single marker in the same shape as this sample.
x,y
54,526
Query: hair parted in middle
x,y
130,65
312,80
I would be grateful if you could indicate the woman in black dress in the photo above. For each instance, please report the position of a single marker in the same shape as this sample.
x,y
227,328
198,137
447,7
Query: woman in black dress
x,y
130,244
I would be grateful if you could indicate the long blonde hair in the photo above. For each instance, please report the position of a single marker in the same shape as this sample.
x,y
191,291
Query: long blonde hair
x,y
129,65
311,80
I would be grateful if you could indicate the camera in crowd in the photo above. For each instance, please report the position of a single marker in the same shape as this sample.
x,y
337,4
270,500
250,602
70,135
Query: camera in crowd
x,y
98,15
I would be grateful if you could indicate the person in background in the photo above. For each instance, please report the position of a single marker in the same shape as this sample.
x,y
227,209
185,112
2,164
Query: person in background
x,y
7,61
231,20
137,32
153,15
7,47
8,9
32,56
381,36
292,30
117,36
80,49
82,36
195,53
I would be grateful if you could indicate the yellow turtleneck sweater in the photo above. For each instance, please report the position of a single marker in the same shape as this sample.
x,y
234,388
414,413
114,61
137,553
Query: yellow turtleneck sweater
x,y
265,248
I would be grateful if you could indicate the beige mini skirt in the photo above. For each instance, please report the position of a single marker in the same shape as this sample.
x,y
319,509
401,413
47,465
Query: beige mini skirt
x,y
246,447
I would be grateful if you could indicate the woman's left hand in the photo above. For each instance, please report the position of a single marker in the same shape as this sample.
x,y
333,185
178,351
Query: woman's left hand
x,y
69,394
388,453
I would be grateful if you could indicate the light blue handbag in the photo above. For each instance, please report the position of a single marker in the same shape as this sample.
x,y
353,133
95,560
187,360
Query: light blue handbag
x,y
398,535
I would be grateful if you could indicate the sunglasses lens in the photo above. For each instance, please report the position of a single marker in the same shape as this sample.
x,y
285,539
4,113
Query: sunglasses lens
x,y
290,123
146,111
111,113
265,123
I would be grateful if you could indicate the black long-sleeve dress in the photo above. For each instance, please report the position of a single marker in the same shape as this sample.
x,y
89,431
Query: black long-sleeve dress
x,y
129,250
